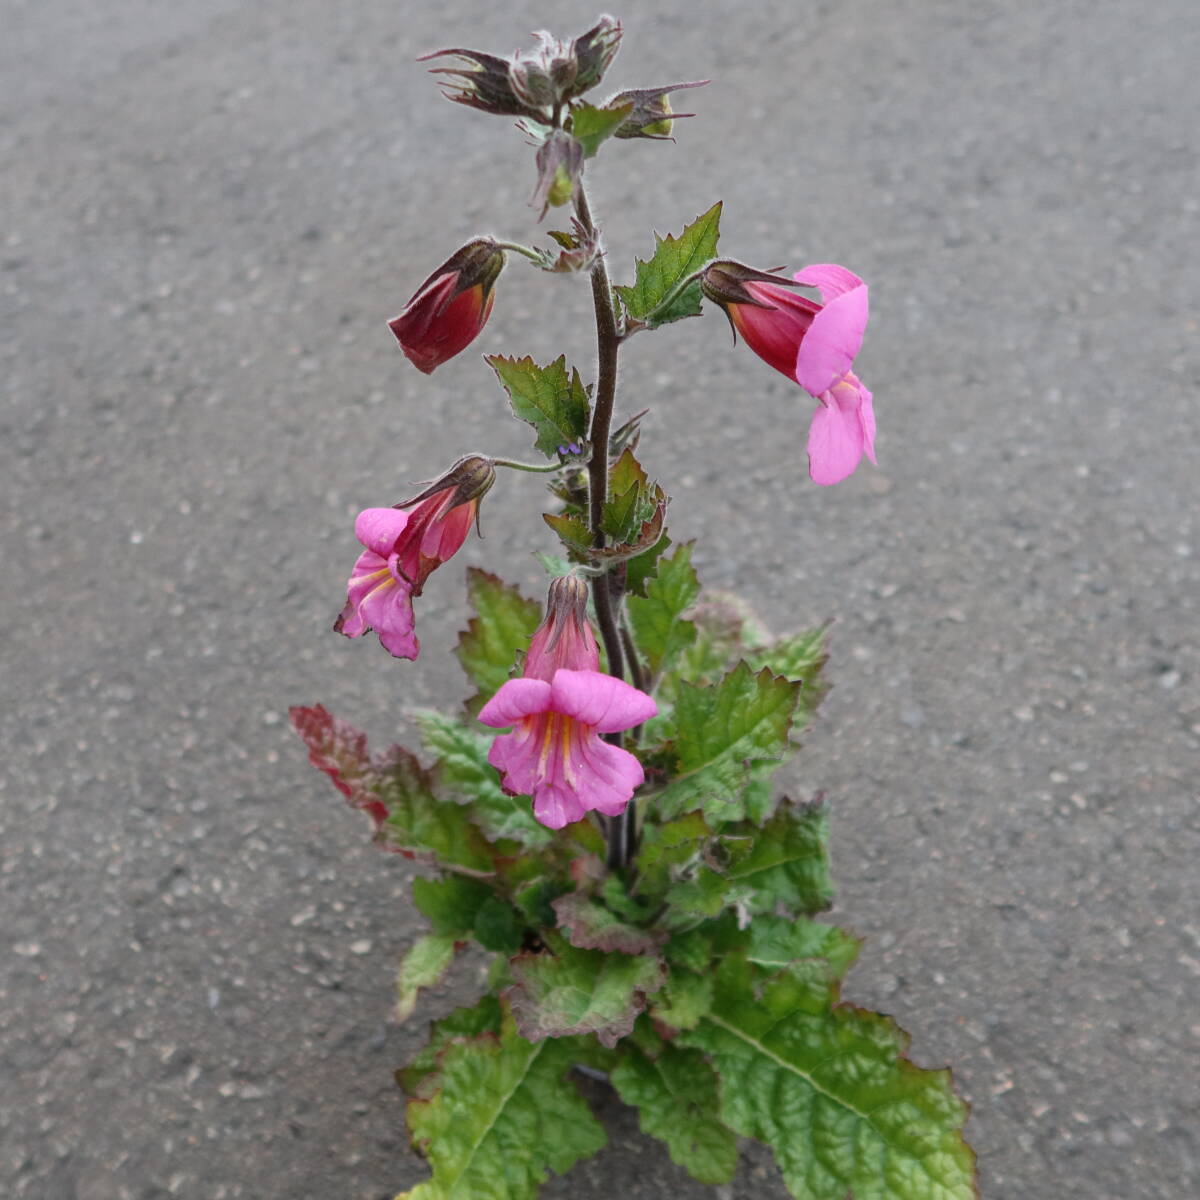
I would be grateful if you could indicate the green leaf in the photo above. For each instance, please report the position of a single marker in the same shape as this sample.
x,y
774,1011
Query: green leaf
x,y
674,259
574,532
503,1116
553,402
465,773
395,792
450,903
777,942
498,927
642,567
800,656
481,1017
427,960
786,862
503,623
728,736
675,1094
590,926
659,627
590,126
829,1089
686,998
570,991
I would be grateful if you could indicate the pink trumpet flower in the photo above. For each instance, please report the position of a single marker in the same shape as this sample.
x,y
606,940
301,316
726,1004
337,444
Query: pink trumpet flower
x,y
559,708
812,344
403,545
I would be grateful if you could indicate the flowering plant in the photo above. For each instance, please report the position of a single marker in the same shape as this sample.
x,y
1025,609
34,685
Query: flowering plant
x,y
600,818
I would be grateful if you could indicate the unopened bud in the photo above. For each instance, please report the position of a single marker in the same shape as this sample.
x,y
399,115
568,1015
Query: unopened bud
x,y
652,116
594,52
483,83
559,164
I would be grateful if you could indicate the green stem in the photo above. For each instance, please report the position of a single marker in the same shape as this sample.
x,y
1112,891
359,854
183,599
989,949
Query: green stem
x,y
529,252
536,468
608,341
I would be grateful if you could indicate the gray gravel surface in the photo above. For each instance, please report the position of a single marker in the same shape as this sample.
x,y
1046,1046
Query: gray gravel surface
x,y
211,209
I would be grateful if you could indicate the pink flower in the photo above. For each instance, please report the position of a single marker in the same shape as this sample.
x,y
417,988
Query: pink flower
x,y
451,306
402,546
812,344
559,708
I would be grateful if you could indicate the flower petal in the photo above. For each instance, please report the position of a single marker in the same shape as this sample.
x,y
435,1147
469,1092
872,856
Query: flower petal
x,y
612,776
829,279
835,441
378,529
834,338
555,806
599,700
516,699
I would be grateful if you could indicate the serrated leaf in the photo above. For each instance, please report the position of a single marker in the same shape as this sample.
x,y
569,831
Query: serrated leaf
x,y
464,772
553,402
450,902
570,991
396,792
829,1089
674,259
675,1094
590,926
800,656
573,530
503,623
728,736
659,627
503,1116
786,862
632,500
591,126
427,960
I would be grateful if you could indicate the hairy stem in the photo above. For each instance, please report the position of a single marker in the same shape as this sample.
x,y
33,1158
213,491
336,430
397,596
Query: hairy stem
x,y
608,341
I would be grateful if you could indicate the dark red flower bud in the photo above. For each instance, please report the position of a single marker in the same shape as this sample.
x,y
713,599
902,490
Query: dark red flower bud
x,y
451,306
651,116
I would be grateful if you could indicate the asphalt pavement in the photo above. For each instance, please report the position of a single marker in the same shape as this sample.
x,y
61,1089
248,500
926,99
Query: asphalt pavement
x,y
211,210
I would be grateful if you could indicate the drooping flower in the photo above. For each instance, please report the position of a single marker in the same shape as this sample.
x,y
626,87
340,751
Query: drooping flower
x,y
451,306
812,344
403,545
559,708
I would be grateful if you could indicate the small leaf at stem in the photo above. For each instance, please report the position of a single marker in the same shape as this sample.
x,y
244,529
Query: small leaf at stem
x,y
728,736
675,258
659,627
554,402
590,126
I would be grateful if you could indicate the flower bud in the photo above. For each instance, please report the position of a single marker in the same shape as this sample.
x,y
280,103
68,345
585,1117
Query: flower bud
x,y
559,164
594,52
484,83
451,306
651,116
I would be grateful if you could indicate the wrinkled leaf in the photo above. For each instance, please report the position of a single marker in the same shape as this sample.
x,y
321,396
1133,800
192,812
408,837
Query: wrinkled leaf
x,y
785,862
481,1017
569,991
674,259
500,1116
675,1094
553,402
450,903
590,926
829,1089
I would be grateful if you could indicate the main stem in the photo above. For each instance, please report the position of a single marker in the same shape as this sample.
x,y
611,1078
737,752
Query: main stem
x,y
608,342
